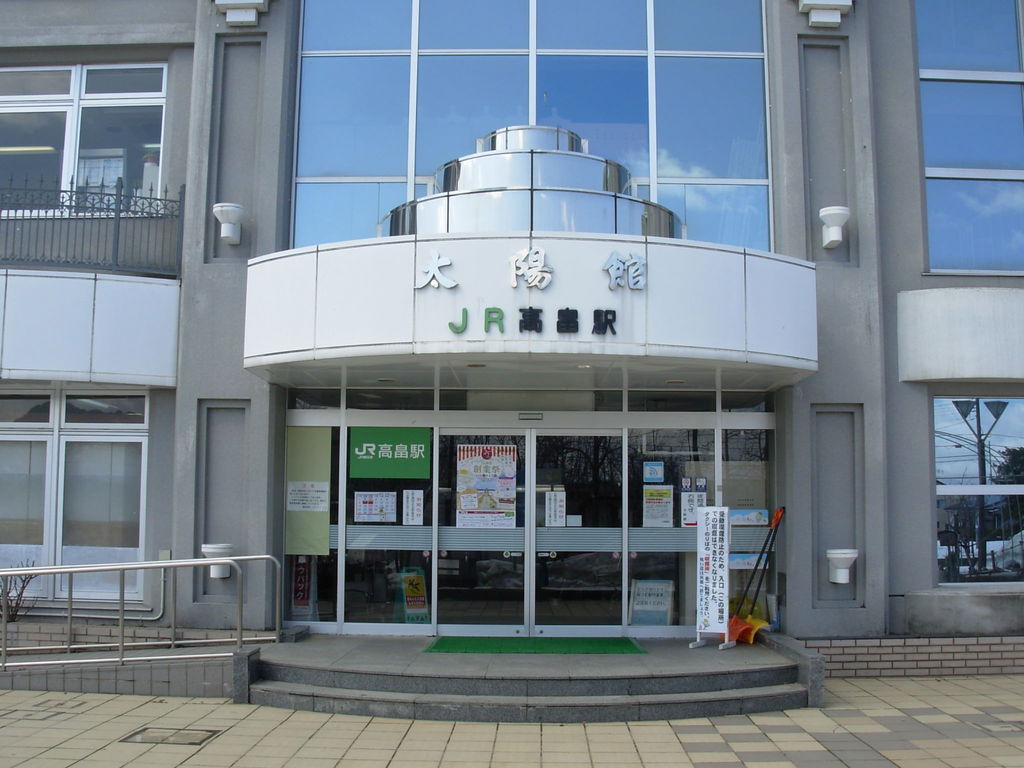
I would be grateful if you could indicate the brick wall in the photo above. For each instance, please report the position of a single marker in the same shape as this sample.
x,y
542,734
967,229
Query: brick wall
x,y
907,656
45,633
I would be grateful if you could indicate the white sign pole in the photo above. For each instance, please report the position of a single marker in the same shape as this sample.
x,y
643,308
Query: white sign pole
x,y
713,576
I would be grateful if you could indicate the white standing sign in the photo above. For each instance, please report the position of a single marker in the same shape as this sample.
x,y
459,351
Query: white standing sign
x,y
713,575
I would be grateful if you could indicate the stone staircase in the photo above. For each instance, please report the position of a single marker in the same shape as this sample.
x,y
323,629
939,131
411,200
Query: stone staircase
x,y
521,688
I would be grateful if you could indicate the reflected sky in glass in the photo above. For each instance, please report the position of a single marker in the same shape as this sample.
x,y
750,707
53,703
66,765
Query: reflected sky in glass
x,y
353,116
474,24
975,224
592,24
956,446
972,125
462,98
699,25
327,213
967,34
719,213
603,99
711,118
352,25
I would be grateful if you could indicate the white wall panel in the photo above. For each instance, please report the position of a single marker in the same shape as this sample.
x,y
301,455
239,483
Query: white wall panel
x,y
695,297
780,311
700,303
364,295
69,326
954,334
48,325
280,304
135,337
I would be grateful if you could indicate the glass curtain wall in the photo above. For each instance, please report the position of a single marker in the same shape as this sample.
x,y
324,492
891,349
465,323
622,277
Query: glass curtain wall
x,y
384,102
972,114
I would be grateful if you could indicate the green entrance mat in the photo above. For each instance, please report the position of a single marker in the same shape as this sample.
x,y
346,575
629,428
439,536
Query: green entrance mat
x,y
534,645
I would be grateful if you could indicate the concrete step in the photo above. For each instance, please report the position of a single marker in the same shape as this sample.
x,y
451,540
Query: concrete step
x,y
595,707
534,684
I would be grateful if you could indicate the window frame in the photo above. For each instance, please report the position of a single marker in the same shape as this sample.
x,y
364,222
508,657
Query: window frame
x,y
56,434
76,100
970,174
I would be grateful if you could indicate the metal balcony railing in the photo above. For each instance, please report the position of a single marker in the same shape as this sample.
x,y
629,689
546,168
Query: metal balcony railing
x,y
105,229
168,568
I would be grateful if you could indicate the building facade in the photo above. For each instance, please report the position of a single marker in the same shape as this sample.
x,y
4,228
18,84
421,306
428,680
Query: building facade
x,y
465,312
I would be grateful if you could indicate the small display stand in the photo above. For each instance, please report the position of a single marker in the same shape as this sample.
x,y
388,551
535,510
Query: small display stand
x,y
713,577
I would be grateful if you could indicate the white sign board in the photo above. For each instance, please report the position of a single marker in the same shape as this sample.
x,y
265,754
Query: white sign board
x,y
412,507
554,509
712,571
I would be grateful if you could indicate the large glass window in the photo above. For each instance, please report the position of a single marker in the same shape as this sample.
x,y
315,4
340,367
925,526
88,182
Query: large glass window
x,y
463,24
465,72
979,446
72,484
592,24
603,99
354,116
462,98
973,125
116,113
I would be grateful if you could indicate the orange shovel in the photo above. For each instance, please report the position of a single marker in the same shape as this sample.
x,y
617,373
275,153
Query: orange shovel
x,y
737,626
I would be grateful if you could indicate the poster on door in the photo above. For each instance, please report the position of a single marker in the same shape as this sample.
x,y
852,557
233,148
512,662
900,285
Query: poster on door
x,y
657,506
375,506
485,490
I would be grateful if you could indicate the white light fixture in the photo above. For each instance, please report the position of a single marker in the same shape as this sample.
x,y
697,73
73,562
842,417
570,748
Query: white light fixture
x,y
840,561
218,551
833,218
242,13
230,217
824,13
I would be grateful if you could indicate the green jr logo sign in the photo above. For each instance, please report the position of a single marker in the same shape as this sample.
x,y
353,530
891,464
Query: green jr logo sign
x,y
389,452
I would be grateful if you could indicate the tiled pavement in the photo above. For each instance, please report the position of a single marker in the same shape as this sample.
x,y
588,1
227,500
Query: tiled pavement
x,y
963,722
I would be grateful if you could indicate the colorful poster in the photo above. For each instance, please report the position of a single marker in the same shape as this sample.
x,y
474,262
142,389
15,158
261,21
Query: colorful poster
x,y
485,486
376,506
412,507
650,602
689,504
657,506
414,596
389,452
713,570
748,516
554,509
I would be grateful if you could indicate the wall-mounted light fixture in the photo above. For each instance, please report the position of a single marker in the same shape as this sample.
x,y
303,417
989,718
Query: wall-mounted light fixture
x,y
824,13
242,13
230,217
833,218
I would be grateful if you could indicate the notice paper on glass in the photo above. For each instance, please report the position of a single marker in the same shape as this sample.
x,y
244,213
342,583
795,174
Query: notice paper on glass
x,y
376,506
308,496
689,503
554,509
657,506
412,507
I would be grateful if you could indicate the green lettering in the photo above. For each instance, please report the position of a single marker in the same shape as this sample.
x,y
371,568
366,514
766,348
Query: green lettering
x,y
494,316
461,328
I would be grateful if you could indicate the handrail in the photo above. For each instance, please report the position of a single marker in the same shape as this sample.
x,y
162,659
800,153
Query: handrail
x,y
174,565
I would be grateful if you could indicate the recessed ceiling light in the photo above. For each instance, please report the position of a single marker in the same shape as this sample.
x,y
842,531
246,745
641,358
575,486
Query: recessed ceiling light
x,y
385,381
583,365
476,365
675,382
